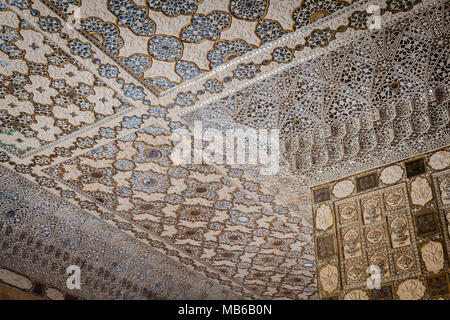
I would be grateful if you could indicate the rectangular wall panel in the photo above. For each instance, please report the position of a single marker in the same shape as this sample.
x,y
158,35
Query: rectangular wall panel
x,y
384,234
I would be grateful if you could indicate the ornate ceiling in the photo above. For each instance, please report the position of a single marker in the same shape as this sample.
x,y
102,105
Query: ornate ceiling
x,y
165,43
90,92
371,101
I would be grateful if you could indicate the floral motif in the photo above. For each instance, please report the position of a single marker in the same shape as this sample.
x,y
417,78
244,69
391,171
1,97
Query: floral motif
x,y
249,9
328,277
204,190
400,5
394,199
358,20
80,49
49,24
343,189
204,27
104,101
433,256
132,16
174,8
412,289
405,262
158,154
355,272
352,244
246,71
421,192
73,114
149,182
440,160
310,11
165,48
109,33
136,93
213,86
187,70
20,141
282,55
391,174
160,83
324,217
268,30
347,211
45,128
356,295
196,213
139,63
371,210
108,71
131,122
319,38
399,233
444,187
185,99
375,235
224,51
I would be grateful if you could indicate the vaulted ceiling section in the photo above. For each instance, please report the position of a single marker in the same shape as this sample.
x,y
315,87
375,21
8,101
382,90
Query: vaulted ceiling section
x,y
91,91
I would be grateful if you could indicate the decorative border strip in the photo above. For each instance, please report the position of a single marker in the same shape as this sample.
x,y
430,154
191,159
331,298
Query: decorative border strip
x,y
79,132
